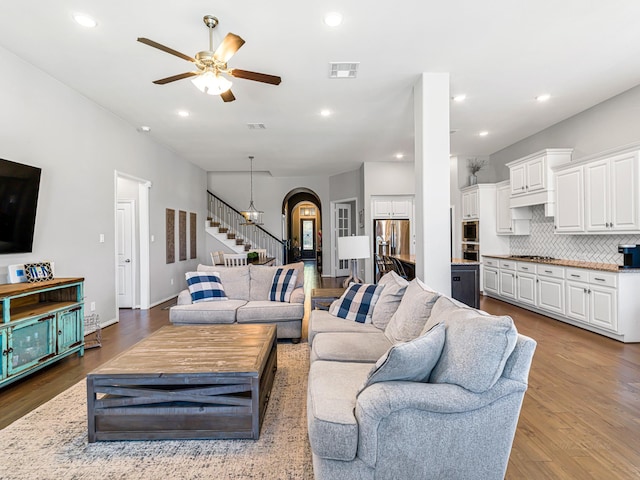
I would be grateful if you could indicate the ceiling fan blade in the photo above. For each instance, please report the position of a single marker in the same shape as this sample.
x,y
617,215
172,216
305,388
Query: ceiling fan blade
x,y
159,46
180,76
230,45
227,96
258,77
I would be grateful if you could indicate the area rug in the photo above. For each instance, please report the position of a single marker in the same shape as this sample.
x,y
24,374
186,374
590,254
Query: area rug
x,y
51,442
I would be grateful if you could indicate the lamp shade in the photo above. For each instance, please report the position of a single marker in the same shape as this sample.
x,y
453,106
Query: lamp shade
x,y
353,247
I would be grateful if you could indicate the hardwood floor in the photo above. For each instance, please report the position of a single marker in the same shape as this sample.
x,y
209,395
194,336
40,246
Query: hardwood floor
x,y
580,418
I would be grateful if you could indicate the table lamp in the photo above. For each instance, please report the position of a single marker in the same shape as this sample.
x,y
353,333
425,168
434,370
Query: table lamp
x,y
352,248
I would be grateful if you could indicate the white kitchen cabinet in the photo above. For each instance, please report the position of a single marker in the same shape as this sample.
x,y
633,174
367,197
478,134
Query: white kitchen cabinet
x,y
529,176
550,294
577,301
602,307
605,302
532,181
507,283
392,207
550,286
510,221
470,204
612,194
507,274
490,280
569,217
526,283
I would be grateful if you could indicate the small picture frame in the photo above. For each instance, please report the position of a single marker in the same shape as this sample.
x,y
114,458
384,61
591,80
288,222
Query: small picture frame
x,y
38,272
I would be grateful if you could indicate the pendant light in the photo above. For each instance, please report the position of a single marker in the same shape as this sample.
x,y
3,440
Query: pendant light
x,y
252,215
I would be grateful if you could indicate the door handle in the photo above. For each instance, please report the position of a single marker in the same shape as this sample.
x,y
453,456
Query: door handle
x,y
128,260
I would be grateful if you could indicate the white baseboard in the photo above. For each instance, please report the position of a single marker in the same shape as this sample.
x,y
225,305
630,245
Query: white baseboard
x,y
155,304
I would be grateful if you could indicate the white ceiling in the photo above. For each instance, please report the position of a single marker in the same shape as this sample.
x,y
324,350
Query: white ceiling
x,y
501,54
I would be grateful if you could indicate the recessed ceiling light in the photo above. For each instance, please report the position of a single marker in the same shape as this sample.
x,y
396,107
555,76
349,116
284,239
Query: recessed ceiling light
x,y
459,98
325,112
332,19
183,113
399,156
483,133
84,20
543,98
145,128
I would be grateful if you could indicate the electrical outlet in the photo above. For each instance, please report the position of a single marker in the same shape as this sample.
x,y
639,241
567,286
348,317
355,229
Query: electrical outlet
x,y
172,281
93,306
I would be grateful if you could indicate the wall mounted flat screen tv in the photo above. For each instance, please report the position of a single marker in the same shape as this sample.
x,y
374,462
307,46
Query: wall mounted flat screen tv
x,y
19,185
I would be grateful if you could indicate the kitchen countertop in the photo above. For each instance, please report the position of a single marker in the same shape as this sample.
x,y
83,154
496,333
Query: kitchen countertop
x,y
411,259
605,267
462,261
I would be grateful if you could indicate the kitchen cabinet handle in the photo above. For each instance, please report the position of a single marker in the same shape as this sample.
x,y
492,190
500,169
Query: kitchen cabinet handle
x,y
537,281
548,271
525,268
599,279
10,350
589,291
575,276
585,290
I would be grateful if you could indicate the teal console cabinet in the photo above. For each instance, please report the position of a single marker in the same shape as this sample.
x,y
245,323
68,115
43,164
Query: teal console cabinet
x,y
41,323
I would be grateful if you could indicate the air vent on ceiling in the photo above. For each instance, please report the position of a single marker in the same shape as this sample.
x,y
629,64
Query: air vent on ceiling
x,y
343,69
256,126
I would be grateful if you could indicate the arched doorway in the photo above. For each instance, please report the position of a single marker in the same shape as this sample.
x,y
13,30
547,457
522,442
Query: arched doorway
x,y
302,217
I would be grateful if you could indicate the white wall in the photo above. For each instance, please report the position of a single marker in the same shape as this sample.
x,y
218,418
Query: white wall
x,y
609,124
384,178
268,195
79,145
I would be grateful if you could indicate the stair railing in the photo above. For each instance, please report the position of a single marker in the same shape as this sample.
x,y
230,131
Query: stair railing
x,y
254,235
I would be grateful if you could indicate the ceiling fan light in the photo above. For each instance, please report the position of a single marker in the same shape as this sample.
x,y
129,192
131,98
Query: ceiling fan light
x,y
210,83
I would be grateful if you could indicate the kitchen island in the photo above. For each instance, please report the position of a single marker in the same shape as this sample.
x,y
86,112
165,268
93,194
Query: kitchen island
x,y
465,281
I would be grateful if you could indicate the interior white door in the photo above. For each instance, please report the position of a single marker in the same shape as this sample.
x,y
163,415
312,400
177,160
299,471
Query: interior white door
x,y
124,251
343,229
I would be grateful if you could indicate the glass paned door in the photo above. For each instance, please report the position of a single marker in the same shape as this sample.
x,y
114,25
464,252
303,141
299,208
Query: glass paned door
x,y
308,235
343,229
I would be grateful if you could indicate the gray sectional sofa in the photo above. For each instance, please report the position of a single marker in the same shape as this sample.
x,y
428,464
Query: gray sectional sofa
x,y
247,289
431,389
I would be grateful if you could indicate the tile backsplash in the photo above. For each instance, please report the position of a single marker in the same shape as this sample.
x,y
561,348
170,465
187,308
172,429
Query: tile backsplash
x,y
592,248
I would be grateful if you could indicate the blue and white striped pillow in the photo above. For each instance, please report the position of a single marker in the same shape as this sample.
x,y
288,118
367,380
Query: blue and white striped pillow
x,y
205,287
357,302
283,283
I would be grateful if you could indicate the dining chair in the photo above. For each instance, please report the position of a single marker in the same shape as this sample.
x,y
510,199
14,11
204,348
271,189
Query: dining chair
x,y
235,259
217,258
262,253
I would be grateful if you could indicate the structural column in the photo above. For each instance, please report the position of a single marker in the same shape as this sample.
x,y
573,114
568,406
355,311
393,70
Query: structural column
x,y
431,111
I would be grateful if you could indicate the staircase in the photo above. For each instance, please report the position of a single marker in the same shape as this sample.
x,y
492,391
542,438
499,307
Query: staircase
x,y
224,224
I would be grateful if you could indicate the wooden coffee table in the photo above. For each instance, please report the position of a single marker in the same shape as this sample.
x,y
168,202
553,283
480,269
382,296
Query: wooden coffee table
x,y
205,381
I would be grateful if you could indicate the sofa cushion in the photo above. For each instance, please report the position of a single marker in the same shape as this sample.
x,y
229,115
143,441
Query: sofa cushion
x,y
411,361
331,399
390,298
357,302
206,312
262,276
264,311
412,314
323,321
205,287
476,349
282,284
235,280
349,347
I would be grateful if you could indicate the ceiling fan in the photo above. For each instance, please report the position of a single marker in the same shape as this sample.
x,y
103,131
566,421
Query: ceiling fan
x,y
212,64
